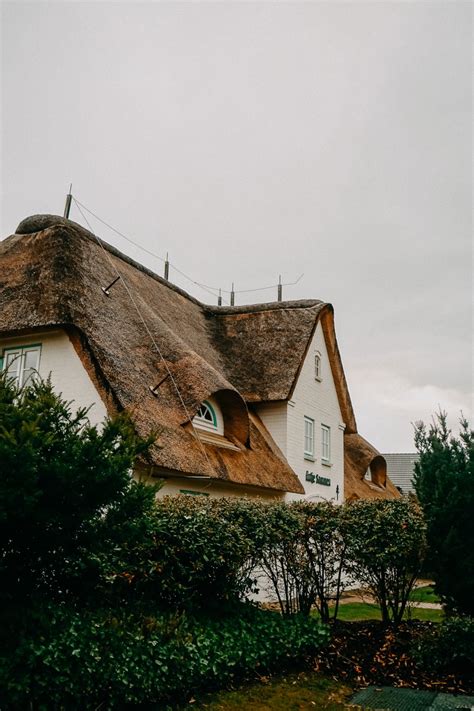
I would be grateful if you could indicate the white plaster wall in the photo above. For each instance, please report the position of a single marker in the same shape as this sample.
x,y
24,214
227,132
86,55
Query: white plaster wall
x,y
68,375
317,400
213,488
274,417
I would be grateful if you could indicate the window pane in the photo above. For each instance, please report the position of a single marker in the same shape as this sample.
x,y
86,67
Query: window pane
x,y
308,436
317,366
325,443
12,363
30,364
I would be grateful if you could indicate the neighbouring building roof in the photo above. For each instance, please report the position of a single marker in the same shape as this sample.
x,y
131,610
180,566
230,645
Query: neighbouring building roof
x,y
52,274
401,468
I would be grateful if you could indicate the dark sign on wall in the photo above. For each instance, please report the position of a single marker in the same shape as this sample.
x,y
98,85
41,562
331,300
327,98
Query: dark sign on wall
x,y
316,479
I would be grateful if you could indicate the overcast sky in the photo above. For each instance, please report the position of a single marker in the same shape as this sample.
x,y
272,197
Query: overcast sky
x,y
253,139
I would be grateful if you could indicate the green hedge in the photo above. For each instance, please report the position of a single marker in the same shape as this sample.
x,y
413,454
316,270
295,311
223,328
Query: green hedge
x,y
448,646
82,660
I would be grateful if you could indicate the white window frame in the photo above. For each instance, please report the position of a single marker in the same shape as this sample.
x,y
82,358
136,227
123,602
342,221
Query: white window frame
x,y
19,353
325,444
318,366
308,448
205,424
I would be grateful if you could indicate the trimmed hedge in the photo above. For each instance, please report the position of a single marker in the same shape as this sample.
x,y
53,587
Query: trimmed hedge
x,y
83,660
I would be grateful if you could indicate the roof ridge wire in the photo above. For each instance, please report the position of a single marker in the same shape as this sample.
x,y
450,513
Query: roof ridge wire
x,y
205,287
142,319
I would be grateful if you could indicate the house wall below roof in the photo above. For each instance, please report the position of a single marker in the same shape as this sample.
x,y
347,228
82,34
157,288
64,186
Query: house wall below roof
x,y
208,487
285,422
68,375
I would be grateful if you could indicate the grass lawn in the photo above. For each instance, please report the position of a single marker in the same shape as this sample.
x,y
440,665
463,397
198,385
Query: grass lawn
x,y
424,594
306,690
359,611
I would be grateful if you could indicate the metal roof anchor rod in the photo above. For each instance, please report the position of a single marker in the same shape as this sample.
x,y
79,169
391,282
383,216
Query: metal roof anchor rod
x,y
167,268
280,289
219,299
106,289
67,206
232,295
154,388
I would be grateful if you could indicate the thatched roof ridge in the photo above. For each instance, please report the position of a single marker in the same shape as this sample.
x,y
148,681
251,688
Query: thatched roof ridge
x,y
38,223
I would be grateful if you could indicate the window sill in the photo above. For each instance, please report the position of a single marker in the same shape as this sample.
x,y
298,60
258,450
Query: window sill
x,y
309,458
326,464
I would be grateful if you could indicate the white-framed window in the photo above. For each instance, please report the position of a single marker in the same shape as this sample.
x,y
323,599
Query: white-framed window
x,y
325,444
205,417
308,438
21,363
317,366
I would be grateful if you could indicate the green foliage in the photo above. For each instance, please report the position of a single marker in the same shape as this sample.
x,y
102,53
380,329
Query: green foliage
x,y
448,646
70,513
202,551
85,660
326,551
386,548
444,484
303,556
283,561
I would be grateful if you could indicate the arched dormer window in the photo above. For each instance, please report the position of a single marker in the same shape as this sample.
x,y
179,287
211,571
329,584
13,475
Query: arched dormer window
x,y
206,417
209,417
377,472
317,366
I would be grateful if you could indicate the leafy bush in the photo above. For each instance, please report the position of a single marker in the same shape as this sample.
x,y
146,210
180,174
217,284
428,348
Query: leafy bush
x,y
386,545
303,556
202,550
444,484
326,550
448,646
283,561
78,660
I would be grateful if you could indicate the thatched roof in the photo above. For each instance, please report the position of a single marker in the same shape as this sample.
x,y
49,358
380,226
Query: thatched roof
x,y
359,458
52,274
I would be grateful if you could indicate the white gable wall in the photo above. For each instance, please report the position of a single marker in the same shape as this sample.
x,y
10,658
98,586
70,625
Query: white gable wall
x,y
317,400
68,375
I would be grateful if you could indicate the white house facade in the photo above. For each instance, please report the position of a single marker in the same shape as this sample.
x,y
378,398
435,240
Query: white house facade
x,y
309,428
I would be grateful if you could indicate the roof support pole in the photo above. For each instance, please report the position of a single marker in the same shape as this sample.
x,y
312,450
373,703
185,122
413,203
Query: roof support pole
x,y
280,288
67,206
232,295
219,299
167,268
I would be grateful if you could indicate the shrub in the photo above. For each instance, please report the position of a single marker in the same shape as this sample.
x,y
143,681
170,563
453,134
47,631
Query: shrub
x,y
304,556
444,484
283,560
386,548
448,646
202,551
84,661
326,550
69,510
